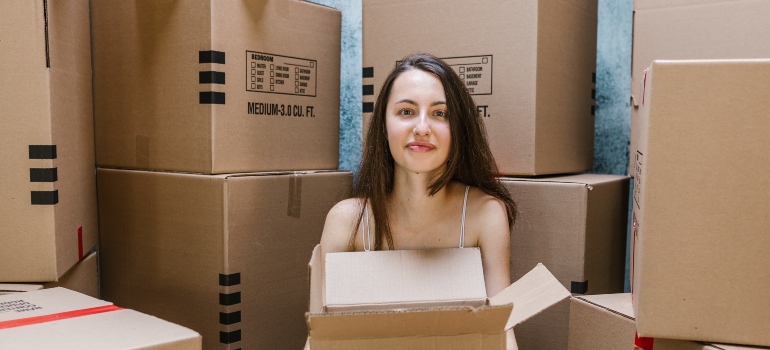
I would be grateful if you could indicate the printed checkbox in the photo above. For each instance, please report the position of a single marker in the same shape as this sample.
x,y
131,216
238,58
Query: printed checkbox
x,y
462,76
272,81
272,88
253,72
272,74
272,66
296,76
485,60
253,85
253,78
296,90
312,64
253,64
296,69
462,69
296,83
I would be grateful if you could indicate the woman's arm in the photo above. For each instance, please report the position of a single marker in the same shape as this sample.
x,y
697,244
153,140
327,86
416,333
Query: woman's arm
x,y
495,244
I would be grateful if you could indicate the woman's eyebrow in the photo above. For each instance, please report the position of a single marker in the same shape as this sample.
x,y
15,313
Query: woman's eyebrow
x,y
438,103
406,100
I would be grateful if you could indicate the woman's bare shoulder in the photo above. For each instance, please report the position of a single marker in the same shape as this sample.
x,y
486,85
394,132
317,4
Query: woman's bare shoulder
x,y
339,225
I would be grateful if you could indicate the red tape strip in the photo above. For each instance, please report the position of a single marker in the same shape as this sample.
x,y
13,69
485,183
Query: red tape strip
x,y
80,243
56,317
643,343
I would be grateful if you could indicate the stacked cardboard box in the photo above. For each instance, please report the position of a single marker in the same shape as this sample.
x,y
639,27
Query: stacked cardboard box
x,y
693,29
82,278
606,322
48,188
59,318
217,132
698,202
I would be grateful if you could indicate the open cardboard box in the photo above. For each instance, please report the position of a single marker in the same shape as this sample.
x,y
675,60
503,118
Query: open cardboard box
x,y
418,299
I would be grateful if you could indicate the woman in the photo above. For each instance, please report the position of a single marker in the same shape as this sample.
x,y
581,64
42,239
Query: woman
x,y
427,175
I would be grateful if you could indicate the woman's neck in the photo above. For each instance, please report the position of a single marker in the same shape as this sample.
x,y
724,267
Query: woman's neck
x,y
410,203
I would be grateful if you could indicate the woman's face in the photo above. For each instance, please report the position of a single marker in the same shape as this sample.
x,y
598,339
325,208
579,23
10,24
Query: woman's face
x,y
416,120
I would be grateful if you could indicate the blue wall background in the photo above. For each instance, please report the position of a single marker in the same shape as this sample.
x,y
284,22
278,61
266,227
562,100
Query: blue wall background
x,y
613,86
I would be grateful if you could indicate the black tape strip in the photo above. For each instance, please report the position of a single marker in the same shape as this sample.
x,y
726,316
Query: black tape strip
x,y
593,94
45,197
211,57
43,175
211,77
212,98
579,287
229,299
593,109
42,151
368,90
368,72
593,78
368,107
47,49
232,279
226,318
229,337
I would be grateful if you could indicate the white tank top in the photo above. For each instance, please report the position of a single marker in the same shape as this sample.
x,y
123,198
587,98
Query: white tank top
x,y
366,235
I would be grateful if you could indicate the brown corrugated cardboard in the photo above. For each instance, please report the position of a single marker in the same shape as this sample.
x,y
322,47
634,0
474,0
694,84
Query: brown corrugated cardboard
x,y
700,239
694,29
576,225
69,320
606,322
82,278
47,186
216,86
421,326
224,255
528,65
386,280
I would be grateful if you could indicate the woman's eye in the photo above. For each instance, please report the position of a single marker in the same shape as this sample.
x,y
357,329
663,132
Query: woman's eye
x,y
405,111
440,114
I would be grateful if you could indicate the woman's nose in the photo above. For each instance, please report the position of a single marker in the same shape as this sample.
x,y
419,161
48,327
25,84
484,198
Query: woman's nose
x,y
421,127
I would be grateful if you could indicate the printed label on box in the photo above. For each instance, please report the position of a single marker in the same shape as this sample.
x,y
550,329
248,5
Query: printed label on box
x,y
474,71
276,74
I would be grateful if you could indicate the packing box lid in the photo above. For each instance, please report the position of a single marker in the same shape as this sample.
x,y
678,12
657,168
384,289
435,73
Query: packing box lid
x,y
71,320
392,279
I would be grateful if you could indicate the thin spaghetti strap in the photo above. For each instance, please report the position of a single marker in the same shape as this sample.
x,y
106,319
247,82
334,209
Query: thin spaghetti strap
x,y
462,225
365,234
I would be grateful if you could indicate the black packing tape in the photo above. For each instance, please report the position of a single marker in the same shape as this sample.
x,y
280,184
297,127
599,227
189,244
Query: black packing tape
x,y
229,299
43,175
45,197
368,90
579,287
42,151
593,109
211,77
232,279
368,72
593,78
229,337
593,94
211,57
212,98
228,318
368,107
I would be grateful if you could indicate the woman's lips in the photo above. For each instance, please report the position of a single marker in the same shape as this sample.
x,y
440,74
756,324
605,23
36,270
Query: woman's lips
x,y
420,146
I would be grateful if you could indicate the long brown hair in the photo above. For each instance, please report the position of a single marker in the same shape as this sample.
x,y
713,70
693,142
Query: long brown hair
x,y
470,160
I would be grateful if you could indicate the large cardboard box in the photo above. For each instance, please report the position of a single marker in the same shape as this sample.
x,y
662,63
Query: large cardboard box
x,y
225,255
216,86
47,185
576,225
59,318
693,29
81,278
699,200
528,64
606,322
416,314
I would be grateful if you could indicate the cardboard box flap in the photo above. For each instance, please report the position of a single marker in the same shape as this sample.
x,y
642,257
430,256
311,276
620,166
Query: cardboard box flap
x,y
315,281
45,302
404,278
586,179
408,323
619,303
279,173
531,294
